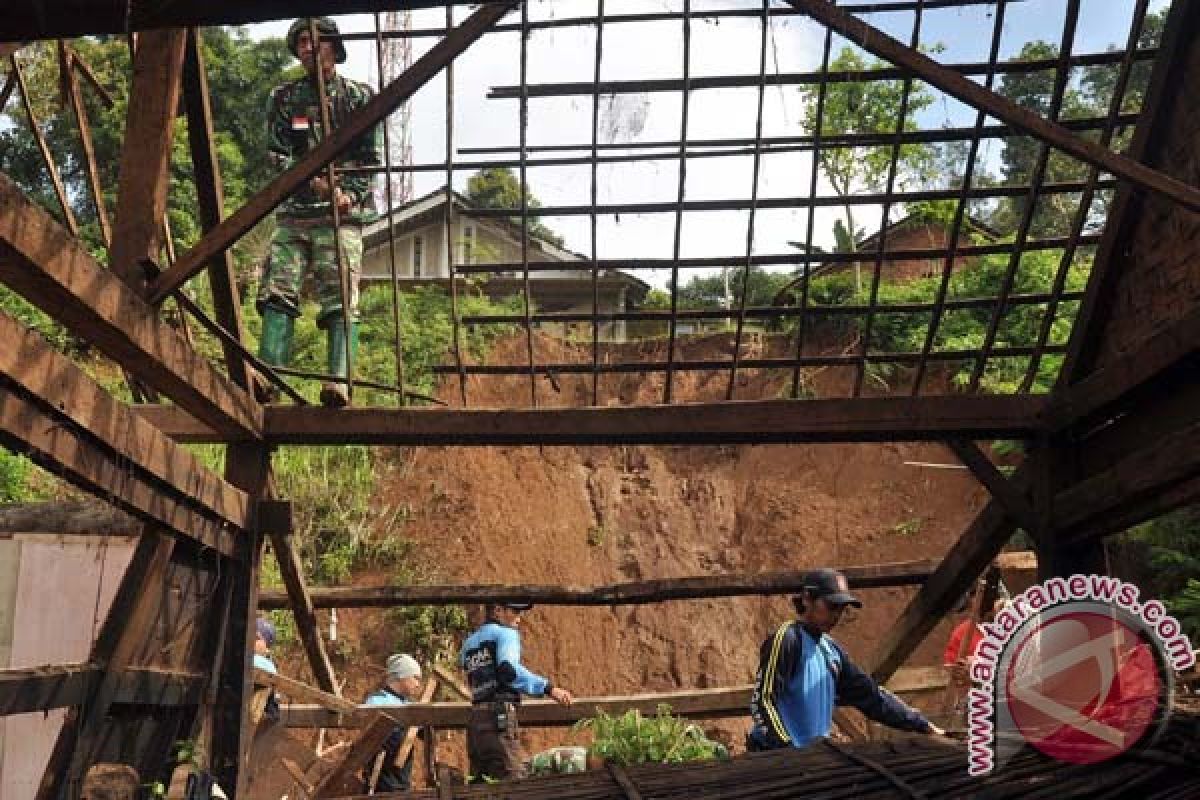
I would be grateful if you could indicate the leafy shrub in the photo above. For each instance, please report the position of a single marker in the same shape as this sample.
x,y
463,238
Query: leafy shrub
x,y
633,739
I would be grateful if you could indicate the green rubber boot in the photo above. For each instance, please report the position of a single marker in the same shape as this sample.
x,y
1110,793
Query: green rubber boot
x,y
335,394
275,348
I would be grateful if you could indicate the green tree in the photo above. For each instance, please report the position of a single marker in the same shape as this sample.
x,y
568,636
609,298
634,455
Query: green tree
x,y
724,289
865,107
499,187
1054,214
241,73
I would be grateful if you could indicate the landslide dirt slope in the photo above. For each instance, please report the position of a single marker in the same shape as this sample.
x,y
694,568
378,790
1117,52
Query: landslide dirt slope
x,y
590,515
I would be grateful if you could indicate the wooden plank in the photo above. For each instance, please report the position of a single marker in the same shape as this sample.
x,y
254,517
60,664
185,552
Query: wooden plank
x,y
451,682
341,779
52,270
10,84
921,66
55,382
297,691
63,450
752,421
211,202
43,688
303,611
999,486
905,573
146,153
718,703
354,126
63,685
871,419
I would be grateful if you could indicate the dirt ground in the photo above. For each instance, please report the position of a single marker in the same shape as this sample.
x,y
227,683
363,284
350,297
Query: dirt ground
x,y
592,515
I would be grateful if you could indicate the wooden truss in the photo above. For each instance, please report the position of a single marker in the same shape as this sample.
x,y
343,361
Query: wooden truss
x,y
1117,442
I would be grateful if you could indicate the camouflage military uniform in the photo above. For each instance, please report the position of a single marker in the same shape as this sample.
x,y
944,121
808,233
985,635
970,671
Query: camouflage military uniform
x,y
304,235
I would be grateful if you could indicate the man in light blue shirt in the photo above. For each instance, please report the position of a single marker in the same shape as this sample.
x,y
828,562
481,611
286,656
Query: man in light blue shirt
x,y
401,685
491,659
264,640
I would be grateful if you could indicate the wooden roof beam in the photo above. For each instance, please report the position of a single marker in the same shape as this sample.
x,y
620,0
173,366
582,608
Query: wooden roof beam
x,y
52,270
391,97
906,573
54,19
952,83
43,688
67,422
761,421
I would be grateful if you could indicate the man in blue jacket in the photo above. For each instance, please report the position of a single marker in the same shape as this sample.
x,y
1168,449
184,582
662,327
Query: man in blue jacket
x,y
803,674
400,687
491,659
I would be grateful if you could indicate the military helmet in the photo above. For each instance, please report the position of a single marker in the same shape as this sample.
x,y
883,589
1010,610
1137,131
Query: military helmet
x,y
325,26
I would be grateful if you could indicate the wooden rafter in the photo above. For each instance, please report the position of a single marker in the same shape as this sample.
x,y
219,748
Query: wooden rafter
x,y
211,201
880,44
906,573
56,19
69,63
303,610
355,125
52,270
95,420
63,685
998,485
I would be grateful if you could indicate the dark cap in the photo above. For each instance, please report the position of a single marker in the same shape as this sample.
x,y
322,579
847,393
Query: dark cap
x,y
516,606
325,27
265,630
832,585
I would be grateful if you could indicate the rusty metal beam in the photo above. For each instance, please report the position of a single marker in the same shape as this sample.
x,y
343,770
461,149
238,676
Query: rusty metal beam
x,y
52,270
921,66
354,126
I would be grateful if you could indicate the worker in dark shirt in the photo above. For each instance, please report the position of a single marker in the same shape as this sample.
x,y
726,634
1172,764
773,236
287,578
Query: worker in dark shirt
x,y
491,659
803,674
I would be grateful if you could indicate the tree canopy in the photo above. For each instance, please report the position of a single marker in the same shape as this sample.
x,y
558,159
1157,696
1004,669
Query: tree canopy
x,y
499,187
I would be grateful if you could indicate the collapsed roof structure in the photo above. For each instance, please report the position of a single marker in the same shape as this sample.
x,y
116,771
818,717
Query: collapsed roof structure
x,y
1116,442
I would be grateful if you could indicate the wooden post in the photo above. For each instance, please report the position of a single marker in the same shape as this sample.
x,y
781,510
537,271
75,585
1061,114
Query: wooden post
x,y
146,155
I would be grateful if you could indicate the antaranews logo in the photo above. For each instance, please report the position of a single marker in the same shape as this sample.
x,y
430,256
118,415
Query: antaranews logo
x,y
1077,667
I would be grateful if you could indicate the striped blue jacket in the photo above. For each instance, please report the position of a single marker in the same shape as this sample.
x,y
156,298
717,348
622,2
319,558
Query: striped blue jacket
x,y
801,678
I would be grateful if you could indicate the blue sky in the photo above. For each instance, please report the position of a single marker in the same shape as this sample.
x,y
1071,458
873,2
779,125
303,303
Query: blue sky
x,y
654,50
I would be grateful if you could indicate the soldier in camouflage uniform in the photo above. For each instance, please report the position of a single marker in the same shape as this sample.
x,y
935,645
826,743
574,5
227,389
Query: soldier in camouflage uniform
x,y
303,243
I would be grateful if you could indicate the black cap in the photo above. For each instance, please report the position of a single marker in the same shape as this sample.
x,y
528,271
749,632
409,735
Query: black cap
x,y
516,606
832,585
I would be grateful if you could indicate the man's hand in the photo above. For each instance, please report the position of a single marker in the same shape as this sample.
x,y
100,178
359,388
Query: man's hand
x,y
320,187
343,200
561,696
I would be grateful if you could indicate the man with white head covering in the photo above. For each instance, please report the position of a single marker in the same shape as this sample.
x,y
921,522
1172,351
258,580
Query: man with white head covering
x,y
401,686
